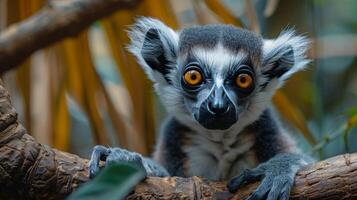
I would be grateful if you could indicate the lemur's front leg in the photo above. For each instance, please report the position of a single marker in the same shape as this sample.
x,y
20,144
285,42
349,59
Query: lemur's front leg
x,y
112,155
276,175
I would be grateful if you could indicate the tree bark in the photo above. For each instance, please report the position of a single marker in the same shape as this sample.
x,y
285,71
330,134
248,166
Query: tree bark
x,y
58,20
331,179
29,170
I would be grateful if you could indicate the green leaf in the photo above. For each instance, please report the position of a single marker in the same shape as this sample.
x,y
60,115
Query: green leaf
x,y
114,182
352,112
352,117
352,121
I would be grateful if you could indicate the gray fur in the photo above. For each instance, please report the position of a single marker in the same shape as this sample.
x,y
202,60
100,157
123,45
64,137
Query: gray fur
x,y
111,155
277,176
251,139
169,152
233,38
165,44
289,49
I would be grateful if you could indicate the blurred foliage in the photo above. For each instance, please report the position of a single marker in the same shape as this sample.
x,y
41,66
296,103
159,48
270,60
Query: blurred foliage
x,y
91,84
344,130
112,183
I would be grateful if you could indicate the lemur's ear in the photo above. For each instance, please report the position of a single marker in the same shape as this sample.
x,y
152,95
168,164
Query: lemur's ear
x,y
155,46
284,56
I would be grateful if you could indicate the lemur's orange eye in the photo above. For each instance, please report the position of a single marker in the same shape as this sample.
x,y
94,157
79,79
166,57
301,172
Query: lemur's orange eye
x,y
244,81
193,77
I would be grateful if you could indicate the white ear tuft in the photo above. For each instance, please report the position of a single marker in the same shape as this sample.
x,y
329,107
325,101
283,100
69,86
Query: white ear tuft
x,y
285,55
155,46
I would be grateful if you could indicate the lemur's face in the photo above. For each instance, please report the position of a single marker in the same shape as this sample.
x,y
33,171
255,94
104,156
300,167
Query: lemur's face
x,y
215,76
218,73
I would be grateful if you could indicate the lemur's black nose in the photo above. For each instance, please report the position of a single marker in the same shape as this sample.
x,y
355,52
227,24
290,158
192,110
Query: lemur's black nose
x,y
217,107
217,111
217,103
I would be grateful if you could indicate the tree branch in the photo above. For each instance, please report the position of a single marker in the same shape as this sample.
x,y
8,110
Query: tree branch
x,y
29,170
56,21
332,179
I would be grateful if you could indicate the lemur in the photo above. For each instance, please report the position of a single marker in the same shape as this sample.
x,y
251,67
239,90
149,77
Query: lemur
x,y
216,83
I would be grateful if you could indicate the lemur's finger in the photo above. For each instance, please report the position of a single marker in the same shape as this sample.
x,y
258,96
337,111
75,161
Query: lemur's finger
x,y
276,189
285,192
261,192
246,176
123,155
99,153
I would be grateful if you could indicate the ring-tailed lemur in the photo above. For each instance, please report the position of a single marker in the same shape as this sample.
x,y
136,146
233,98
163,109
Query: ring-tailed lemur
x,y
216,82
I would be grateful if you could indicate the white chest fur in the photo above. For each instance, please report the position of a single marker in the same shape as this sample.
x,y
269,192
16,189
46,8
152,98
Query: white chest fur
x,y
219,160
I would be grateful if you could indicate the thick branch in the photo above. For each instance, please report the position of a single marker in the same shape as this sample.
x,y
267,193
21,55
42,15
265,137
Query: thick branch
x,y
58,20
29,170
332,179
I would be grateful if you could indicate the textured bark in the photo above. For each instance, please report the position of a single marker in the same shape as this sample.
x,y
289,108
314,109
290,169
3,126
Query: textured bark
x,y
331,179
58,20
29,170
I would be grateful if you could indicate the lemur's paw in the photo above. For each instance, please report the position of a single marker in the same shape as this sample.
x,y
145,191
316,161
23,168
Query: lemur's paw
x,y
111,155
276,175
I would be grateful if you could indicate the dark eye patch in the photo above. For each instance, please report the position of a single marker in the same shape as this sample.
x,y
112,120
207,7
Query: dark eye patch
x,y
191,89
192,60
231,80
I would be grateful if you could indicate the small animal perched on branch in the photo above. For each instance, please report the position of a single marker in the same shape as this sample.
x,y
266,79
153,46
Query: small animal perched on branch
x,y
216,82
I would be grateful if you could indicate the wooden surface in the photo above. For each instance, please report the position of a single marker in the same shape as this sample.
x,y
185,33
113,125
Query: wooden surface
x,y
331,179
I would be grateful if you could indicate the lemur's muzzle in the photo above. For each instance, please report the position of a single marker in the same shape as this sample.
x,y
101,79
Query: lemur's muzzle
x,y
217,111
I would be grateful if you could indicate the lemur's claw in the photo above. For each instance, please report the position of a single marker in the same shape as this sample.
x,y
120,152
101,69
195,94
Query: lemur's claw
x,y
276,175
99,153
111,155
246,176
